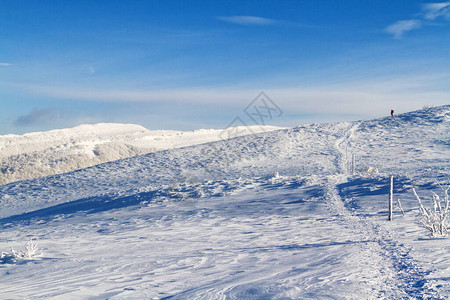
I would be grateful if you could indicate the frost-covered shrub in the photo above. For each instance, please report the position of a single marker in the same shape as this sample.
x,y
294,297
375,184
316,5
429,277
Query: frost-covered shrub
x,y
435,219
31,251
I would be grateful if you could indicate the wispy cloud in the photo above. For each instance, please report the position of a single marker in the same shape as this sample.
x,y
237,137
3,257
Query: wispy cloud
x,y
37,117
430,11
247,20
433,11
3,64
361,98
192,95
400,27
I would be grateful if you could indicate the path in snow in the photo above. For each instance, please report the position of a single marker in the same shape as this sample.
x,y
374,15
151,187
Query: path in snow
x,y
402,276
277,238
212,221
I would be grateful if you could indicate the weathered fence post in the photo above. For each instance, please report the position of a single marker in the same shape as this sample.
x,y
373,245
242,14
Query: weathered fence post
x,y
353,164
391,197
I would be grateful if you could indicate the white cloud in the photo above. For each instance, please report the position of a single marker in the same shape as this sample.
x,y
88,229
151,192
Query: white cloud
x,y
400,27
247,20
430,11
435,10
194,96
357,98
3,64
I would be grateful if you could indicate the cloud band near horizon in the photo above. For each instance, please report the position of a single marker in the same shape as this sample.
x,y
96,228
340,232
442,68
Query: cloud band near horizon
x,y
353,98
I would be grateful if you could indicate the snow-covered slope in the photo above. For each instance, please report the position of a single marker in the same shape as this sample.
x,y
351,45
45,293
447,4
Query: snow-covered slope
x,y
272,215
40,154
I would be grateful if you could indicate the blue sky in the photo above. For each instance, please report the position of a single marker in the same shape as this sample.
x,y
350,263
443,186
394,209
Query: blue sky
x,y
197,64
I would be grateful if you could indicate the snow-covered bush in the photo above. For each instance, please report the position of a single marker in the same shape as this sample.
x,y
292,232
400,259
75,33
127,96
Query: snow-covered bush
x,y
31,251
275,177
435,219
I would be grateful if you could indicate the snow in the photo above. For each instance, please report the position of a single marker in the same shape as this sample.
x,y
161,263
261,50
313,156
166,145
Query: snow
x,y
270,215
40,154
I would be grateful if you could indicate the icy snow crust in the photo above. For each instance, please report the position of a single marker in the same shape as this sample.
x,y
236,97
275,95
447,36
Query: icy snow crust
x,y
41,154
272,215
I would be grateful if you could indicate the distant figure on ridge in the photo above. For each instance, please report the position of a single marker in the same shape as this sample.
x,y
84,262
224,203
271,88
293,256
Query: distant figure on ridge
x,y
392,112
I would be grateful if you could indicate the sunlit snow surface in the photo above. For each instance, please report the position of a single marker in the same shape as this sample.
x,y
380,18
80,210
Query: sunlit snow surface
x,y
215,221
59,151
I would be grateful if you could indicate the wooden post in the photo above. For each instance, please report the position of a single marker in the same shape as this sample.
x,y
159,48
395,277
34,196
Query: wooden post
x,y
353,164
391,197
346,157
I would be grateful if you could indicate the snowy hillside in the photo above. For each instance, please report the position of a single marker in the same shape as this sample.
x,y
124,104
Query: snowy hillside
x,y
272,215
40,154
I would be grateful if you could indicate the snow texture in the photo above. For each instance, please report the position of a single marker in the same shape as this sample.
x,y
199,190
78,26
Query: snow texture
x,y
274,215
40,154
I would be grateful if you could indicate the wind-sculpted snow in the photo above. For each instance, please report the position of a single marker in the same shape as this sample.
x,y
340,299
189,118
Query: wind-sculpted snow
x,y
416,141
291,152
273,215
41,154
